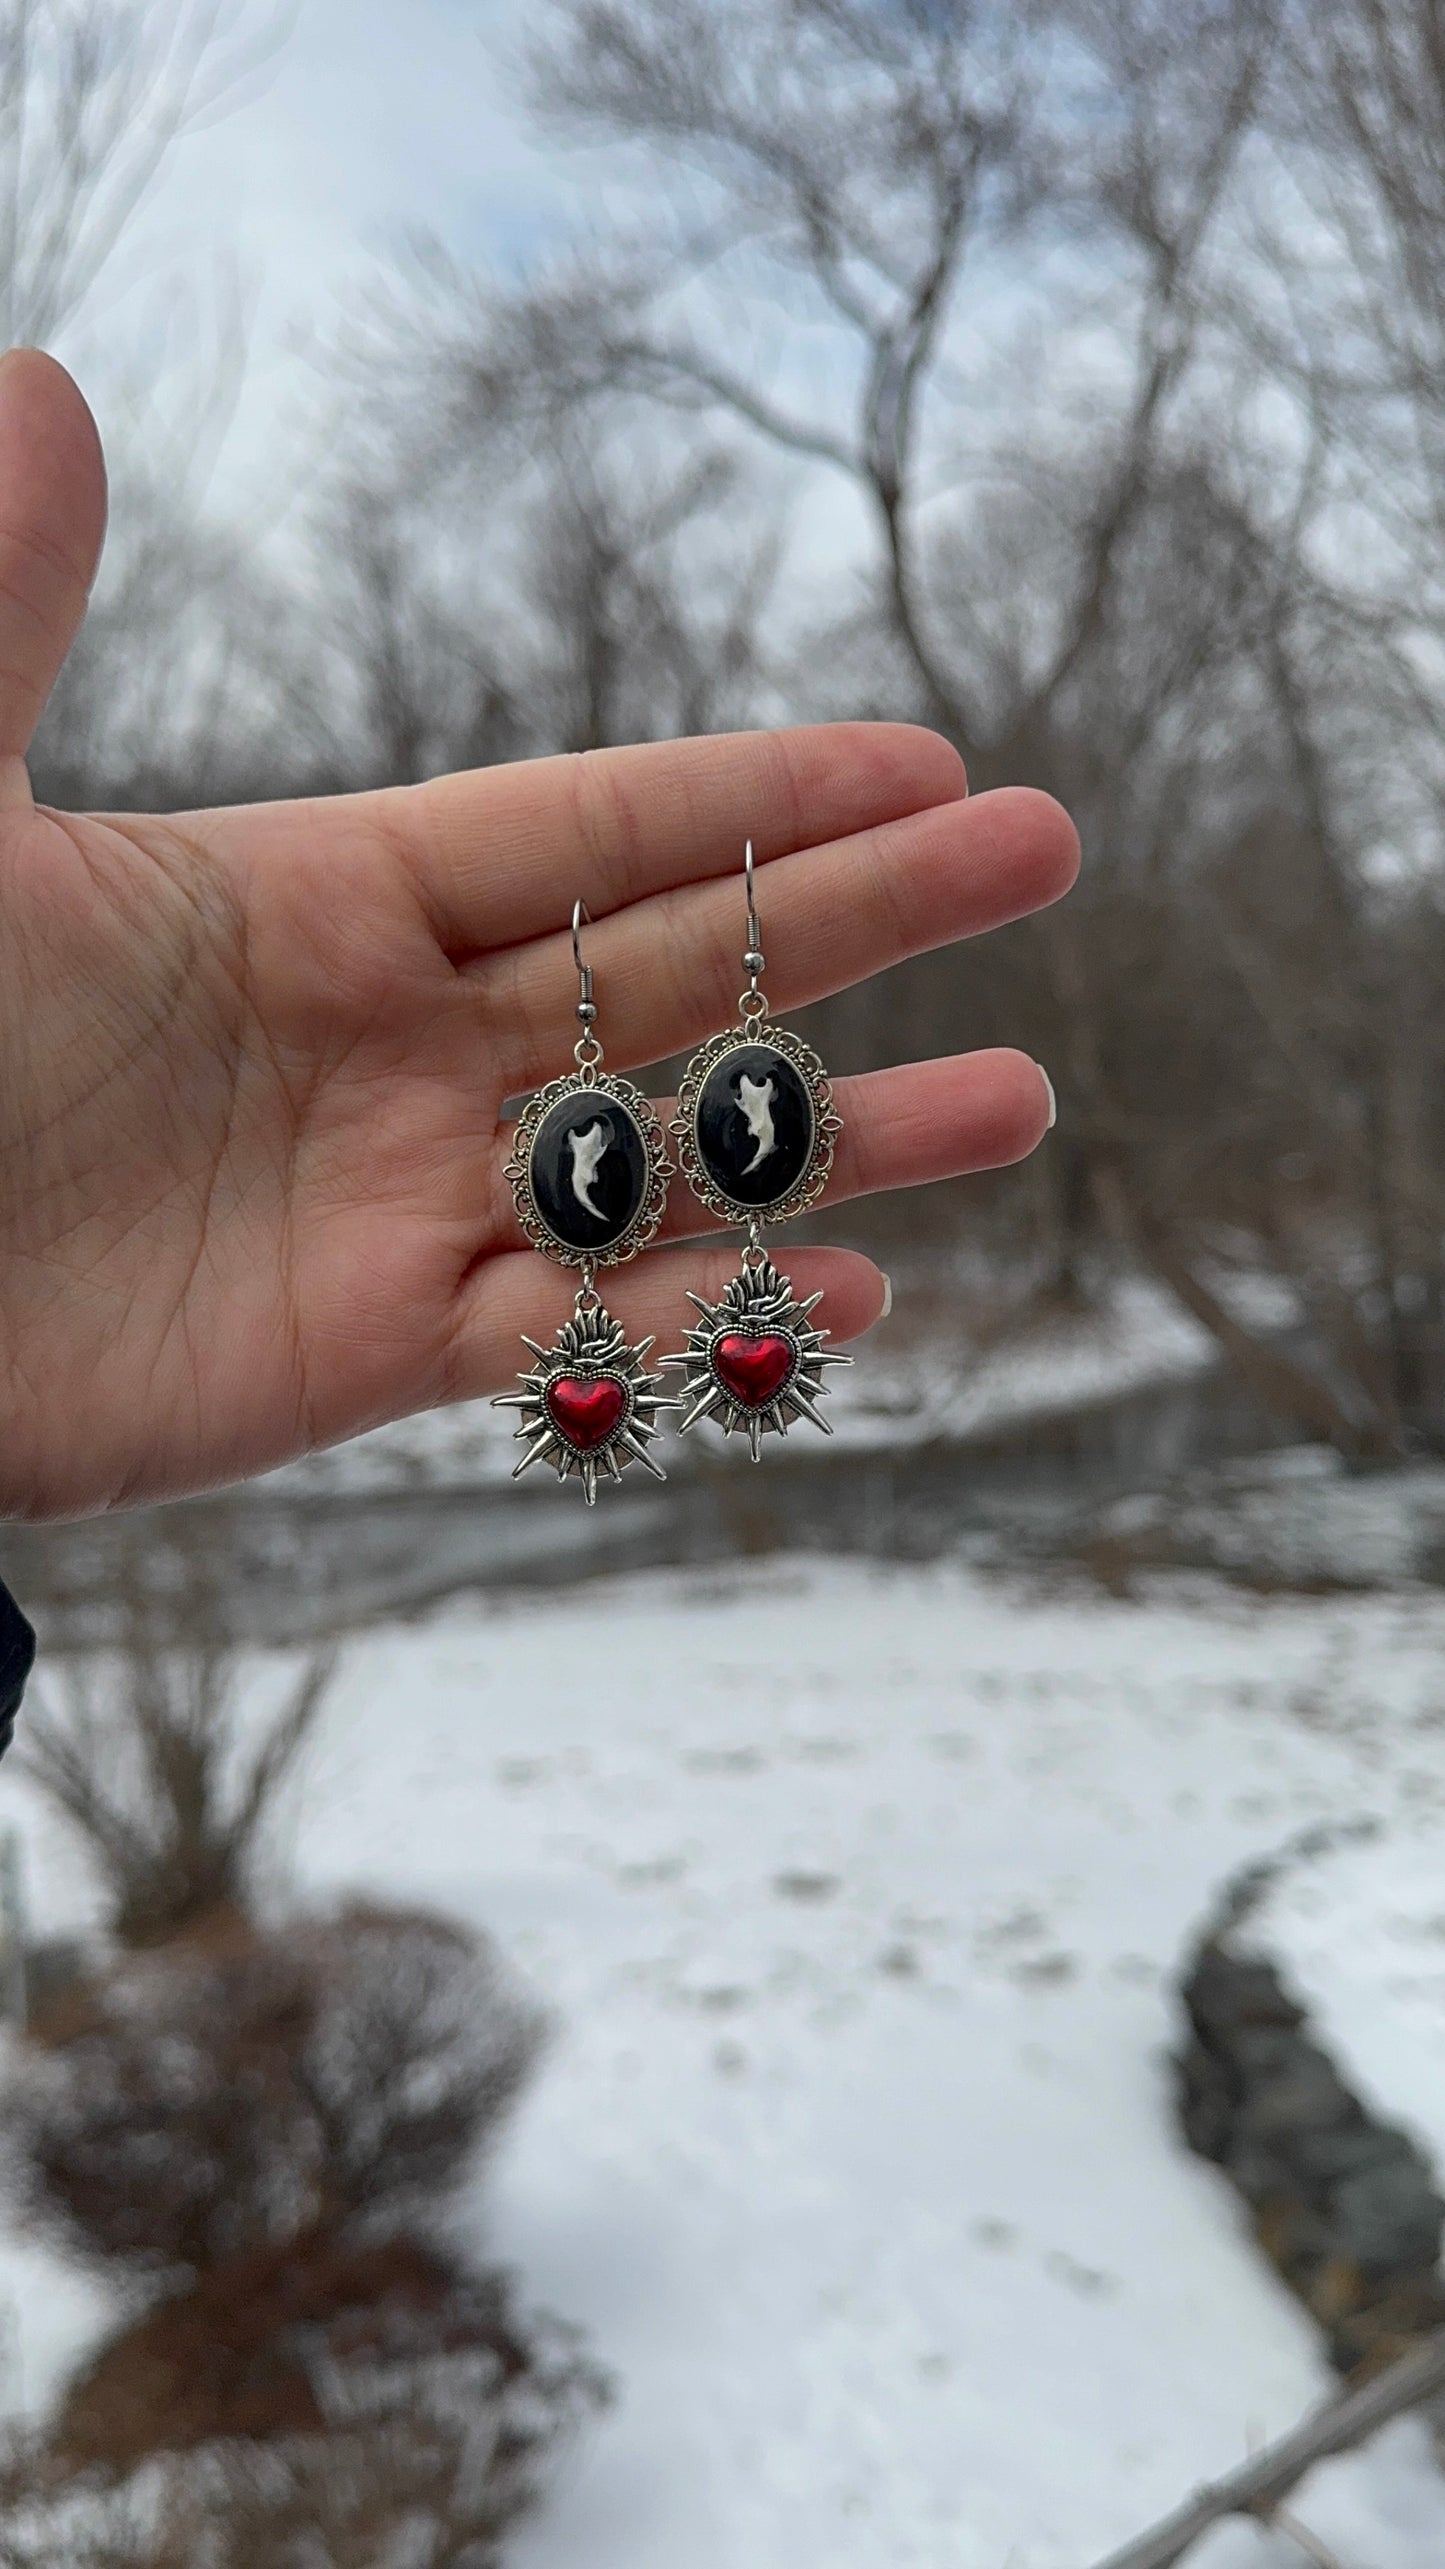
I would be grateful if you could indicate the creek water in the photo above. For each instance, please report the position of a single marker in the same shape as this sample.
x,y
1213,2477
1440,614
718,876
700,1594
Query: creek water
x,y
295,1564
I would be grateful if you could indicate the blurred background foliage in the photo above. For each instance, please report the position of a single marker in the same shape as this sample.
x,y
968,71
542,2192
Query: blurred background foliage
x,y
1119,327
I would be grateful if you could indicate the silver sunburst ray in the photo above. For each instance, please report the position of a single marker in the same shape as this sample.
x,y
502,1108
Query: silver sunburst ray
x,y
758,1304
590,1349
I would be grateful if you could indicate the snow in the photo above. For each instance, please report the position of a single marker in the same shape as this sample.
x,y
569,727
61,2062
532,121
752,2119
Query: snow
x,y
1295,1518
855,1894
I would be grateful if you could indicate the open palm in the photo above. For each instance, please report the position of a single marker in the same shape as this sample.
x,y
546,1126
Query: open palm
x,y
254,1063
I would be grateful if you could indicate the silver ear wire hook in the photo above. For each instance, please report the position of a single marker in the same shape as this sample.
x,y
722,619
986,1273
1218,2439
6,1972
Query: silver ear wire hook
x,y
586,1009
753,959
752,1004
586,1052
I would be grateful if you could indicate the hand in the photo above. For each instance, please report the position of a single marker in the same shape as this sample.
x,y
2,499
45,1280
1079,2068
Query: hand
x,y
253,1063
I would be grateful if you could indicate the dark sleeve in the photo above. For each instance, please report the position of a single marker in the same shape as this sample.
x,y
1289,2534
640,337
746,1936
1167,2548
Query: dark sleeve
x,y
17,1651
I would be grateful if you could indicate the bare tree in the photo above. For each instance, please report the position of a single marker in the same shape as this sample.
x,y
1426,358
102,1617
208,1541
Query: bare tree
x,y
878,161
1116,554
193,676
866,154
169,685
472,607
93,94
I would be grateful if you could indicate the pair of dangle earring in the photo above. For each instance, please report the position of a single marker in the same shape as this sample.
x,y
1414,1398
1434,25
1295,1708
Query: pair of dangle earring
x,y
756,1130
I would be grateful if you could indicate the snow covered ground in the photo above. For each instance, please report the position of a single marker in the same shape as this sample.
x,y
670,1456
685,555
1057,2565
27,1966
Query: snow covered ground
x,y
855,1894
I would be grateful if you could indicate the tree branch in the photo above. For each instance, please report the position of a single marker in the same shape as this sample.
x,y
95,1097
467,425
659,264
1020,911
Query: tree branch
x,y
1261,2484
643,359
1309,2543
1292,1390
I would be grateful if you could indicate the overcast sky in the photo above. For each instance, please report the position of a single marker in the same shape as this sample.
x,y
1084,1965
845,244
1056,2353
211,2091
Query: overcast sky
x,y
373,119
374,116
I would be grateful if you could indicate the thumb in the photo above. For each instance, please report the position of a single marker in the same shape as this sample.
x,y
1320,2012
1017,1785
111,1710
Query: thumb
x,y
52,523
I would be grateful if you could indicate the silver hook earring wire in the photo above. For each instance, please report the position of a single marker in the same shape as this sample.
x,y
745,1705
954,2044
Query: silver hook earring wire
x,y
753,1005
580,912
586,1052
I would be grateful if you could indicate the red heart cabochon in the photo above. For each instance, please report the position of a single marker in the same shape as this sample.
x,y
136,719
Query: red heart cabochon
x,y
586,1407
753,1369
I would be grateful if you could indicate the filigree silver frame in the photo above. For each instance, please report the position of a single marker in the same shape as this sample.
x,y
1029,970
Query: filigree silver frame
x,y
827,1124
518,1171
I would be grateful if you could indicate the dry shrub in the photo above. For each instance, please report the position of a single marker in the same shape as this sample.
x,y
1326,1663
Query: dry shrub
x,y
241,2089
245,2120
296,2341
150,1749
262,2348
435,2492
431,2466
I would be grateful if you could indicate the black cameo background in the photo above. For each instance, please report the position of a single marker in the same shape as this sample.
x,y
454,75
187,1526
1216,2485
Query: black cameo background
x,y
589,1170
755,1125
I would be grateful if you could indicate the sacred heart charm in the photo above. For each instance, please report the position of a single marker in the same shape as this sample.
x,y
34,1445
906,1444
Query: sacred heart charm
x,y
754,1370
585,1409
588,1404
754,1361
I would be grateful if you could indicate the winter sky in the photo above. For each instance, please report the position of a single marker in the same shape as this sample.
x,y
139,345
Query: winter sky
x,y
370,119
271,228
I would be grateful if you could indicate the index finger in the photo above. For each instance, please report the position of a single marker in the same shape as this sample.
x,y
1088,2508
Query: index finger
x,y
501,853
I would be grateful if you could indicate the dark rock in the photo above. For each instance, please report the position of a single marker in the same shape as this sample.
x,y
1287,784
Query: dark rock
x,y
1261,2175
1387,2219
1226,1992
1262,2051
1205,2103
1344,2205
1299,2242
1306,2097
1327,2157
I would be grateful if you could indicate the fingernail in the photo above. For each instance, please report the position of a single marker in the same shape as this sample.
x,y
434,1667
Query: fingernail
x,y
887,1297
1053,1101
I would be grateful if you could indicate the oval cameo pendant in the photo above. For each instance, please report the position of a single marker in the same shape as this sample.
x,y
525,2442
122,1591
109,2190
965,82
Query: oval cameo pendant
x,y
755,1124
588,1170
